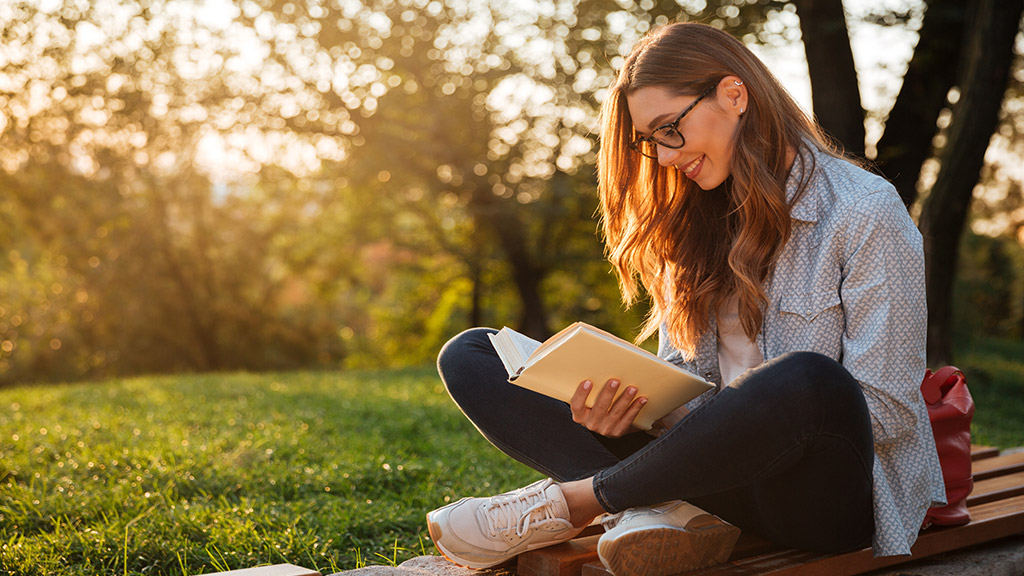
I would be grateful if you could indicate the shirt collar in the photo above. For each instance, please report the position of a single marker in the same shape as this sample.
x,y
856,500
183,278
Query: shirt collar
x,y
806,207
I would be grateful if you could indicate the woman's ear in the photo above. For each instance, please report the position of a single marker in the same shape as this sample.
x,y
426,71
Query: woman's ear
x,y
733,94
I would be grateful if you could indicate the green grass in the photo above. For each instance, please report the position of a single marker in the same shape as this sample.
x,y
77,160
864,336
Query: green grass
x,y
329,470
196,474
995,377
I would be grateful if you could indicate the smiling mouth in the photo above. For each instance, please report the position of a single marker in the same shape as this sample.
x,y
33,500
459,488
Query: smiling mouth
x,y
689,168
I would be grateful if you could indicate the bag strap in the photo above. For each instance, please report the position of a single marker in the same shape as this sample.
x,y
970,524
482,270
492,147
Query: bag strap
x,y
931,388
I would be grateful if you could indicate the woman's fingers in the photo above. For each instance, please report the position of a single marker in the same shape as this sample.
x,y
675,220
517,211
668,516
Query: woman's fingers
x,y
626,421
578,403
612,416
623,402
609,416
603,402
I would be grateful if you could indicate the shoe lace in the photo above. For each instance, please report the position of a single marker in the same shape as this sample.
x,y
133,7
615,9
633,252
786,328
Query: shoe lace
x,y
610,521
519,509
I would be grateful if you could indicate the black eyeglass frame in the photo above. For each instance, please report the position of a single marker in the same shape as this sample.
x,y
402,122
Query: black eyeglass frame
x,y
673,126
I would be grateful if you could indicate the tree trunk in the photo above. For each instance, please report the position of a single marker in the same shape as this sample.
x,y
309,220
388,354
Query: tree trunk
x,y
533,317
526,274
988,57
476,316
206,353
907,141
834,89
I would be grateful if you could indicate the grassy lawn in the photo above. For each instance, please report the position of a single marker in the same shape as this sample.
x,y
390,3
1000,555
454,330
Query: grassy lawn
x,y
196,474
995,377
330,470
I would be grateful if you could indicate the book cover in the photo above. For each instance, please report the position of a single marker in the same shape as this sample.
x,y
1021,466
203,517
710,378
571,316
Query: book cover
x,y
581,352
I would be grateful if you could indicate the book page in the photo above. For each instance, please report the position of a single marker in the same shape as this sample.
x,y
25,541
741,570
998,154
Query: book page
x,y
524,344
513,348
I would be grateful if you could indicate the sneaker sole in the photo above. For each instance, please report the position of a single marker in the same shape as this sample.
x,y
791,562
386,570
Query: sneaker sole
x,y
667,550
435,534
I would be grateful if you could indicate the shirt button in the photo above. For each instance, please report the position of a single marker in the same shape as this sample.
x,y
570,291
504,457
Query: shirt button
x,y
708,375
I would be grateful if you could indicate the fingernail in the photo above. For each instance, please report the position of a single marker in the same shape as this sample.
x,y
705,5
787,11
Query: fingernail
x,y
587,384
631,390
643,401
613,383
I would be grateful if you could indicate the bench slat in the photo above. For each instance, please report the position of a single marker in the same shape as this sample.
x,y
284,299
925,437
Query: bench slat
x,y
996,505
989,522
751,544
980,452
997,466
566,559
996,488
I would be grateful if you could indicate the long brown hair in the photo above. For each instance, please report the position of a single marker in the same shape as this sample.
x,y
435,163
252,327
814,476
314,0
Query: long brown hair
x,y
692,249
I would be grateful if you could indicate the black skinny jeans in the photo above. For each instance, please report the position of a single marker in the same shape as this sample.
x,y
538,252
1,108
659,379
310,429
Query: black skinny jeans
x,y
784,451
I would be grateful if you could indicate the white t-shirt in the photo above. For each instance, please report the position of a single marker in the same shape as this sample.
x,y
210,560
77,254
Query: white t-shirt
x,y
737,353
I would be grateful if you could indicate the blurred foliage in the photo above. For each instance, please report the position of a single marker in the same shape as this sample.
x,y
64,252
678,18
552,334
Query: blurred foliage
x,y
275,184
990,288
271,184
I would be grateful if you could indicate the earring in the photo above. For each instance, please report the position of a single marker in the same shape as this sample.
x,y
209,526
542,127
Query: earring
x,y
738,82
741,111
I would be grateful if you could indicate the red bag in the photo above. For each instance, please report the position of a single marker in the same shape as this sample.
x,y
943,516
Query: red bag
x,y
950,409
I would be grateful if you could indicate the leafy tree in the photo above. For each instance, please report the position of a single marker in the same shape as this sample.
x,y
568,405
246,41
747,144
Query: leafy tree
x,y
476,123
125,256
302,182
989,288
983,53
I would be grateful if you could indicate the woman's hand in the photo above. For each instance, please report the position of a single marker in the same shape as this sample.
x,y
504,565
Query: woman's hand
x,y
606,417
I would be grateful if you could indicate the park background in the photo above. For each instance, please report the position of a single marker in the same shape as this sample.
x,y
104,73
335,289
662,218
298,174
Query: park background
x,y
235,234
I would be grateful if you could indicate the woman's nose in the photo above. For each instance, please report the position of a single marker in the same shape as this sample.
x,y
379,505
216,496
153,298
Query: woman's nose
x,y
667,156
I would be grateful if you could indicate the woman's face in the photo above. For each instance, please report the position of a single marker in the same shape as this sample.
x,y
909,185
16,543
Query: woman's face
x,y
708,129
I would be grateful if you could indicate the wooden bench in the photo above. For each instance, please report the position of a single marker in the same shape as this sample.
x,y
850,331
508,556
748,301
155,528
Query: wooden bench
x,y
996,505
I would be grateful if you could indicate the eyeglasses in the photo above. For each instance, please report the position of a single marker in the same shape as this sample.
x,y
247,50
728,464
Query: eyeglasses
x,y
667,135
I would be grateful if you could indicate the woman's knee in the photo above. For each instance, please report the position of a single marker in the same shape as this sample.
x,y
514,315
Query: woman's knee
x,y
827,385
815,373
810,384
464,344
812,364
462,354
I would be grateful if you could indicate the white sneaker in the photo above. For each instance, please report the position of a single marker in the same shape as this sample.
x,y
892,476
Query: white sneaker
x,y
665,539
484,532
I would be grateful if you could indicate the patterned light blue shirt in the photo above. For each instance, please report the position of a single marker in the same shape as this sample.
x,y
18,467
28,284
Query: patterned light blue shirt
x,y
849,284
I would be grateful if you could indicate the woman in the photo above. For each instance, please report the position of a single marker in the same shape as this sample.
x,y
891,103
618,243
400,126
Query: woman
x,y
788,276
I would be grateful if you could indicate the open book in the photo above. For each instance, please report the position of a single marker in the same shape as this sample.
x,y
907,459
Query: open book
x,y
582,352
